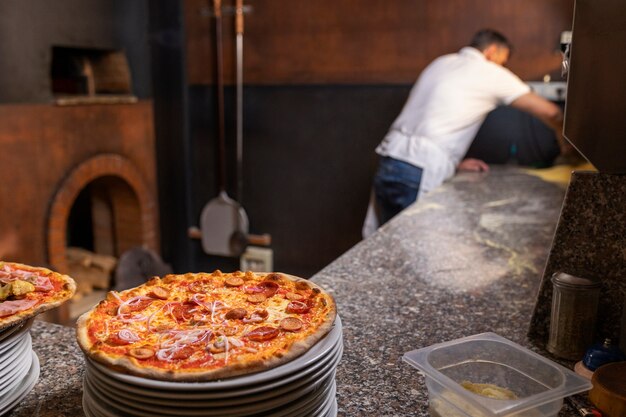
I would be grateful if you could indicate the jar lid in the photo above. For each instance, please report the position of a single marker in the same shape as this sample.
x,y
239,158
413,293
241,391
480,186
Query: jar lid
x,y
561,278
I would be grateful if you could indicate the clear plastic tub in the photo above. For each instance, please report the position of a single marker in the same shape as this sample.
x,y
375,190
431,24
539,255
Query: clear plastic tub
x,y
538,383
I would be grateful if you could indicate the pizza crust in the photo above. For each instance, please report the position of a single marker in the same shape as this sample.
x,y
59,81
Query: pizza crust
x,y
60,297
130,365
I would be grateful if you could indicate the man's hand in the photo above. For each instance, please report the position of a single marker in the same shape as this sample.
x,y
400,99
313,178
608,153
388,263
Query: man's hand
x,y
473,165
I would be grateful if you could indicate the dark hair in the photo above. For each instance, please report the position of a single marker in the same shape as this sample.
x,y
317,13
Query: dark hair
x,y
485,37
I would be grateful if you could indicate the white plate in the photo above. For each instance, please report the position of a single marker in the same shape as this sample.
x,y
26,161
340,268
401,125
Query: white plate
x,y
96,409
87,408
100,407
313,355
14,328
216,402
18,354
324,407
333,406
131,404
305,405
253,393
29,380
10,330
11,380
13,339
250,408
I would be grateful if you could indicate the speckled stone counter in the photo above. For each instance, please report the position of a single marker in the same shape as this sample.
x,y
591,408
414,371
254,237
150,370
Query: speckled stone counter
x,y
59,391
466,259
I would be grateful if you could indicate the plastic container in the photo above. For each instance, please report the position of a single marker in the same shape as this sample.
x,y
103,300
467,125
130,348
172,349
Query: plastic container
x,y
538,383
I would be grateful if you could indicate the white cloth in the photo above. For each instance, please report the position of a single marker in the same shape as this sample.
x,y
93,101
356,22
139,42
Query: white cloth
x,y
442,115
444,111
371,220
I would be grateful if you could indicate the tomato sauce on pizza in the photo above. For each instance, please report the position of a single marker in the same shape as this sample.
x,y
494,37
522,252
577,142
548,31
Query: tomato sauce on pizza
x,y
205,326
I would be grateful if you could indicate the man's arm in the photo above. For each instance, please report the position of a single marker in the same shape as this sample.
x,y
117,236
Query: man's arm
x,y
547,112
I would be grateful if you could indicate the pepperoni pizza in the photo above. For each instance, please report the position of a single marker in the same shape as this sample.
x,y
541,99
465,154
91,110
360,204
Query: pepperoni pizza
x,y
201,326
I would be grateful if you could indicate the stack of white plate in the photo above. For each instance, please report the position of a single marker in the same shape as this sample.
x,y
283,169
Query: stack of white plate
x,y
302,387
19,366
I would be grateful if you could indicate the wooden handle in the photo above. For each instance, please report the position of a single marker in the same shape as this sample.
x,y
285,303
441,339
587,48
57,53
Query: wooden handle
x,y
239,17
260,240
217,8
194,233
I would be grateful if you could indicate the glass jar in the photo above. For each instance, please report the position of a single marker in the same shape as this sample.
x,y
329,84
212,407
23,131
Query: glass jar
x,y
573,317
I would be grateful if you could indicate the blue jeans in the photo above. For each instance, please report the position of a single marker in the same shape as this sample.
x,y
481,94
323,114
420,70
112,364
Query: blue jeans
x,y
396,186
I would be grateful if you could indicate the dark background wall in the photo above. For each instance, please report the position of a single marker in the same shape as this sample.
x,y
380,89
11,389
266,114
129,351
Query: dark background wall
x,y
370,41
323,80
307,164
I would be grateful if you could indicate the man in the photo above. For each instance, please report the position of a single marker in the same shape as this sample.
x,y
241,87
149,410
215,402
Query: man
x,y
445,109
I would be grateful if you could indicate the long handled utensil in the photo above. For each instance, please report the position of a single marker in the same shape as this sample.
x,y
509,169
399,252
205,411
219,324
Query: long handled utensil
x,y
223,221
239,128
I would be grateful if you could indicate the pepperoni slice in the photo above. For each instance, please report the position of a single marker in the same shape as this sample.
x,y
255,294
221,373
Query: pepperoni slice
x,y
182,353
294,296
291,324
160,293
183,311
141,352
236,314
269,288
298,307
263,333
234,282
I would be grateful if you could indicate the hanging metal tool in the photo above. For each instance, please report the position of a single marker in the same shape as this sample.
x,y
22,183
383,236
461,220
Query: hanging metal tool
x,y
239,51
223,221
222,218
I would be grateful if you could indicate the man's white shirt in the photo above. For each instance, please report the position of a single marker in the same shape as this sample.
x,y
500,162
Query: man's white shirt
x,y
444,111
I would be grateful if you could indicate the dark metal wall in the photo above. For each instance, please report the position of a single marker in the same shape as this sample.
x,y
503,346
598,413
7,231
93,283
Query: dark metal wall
x,y
307,164
169,87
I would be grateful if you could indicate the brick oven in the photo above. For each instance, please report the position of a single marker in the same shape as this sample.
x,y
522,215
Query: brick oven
x,y
77,134
77,176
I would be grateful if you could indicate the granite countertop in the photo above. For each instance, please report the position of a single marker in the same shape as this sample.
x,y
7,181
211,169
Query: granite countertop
x,y
466,259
